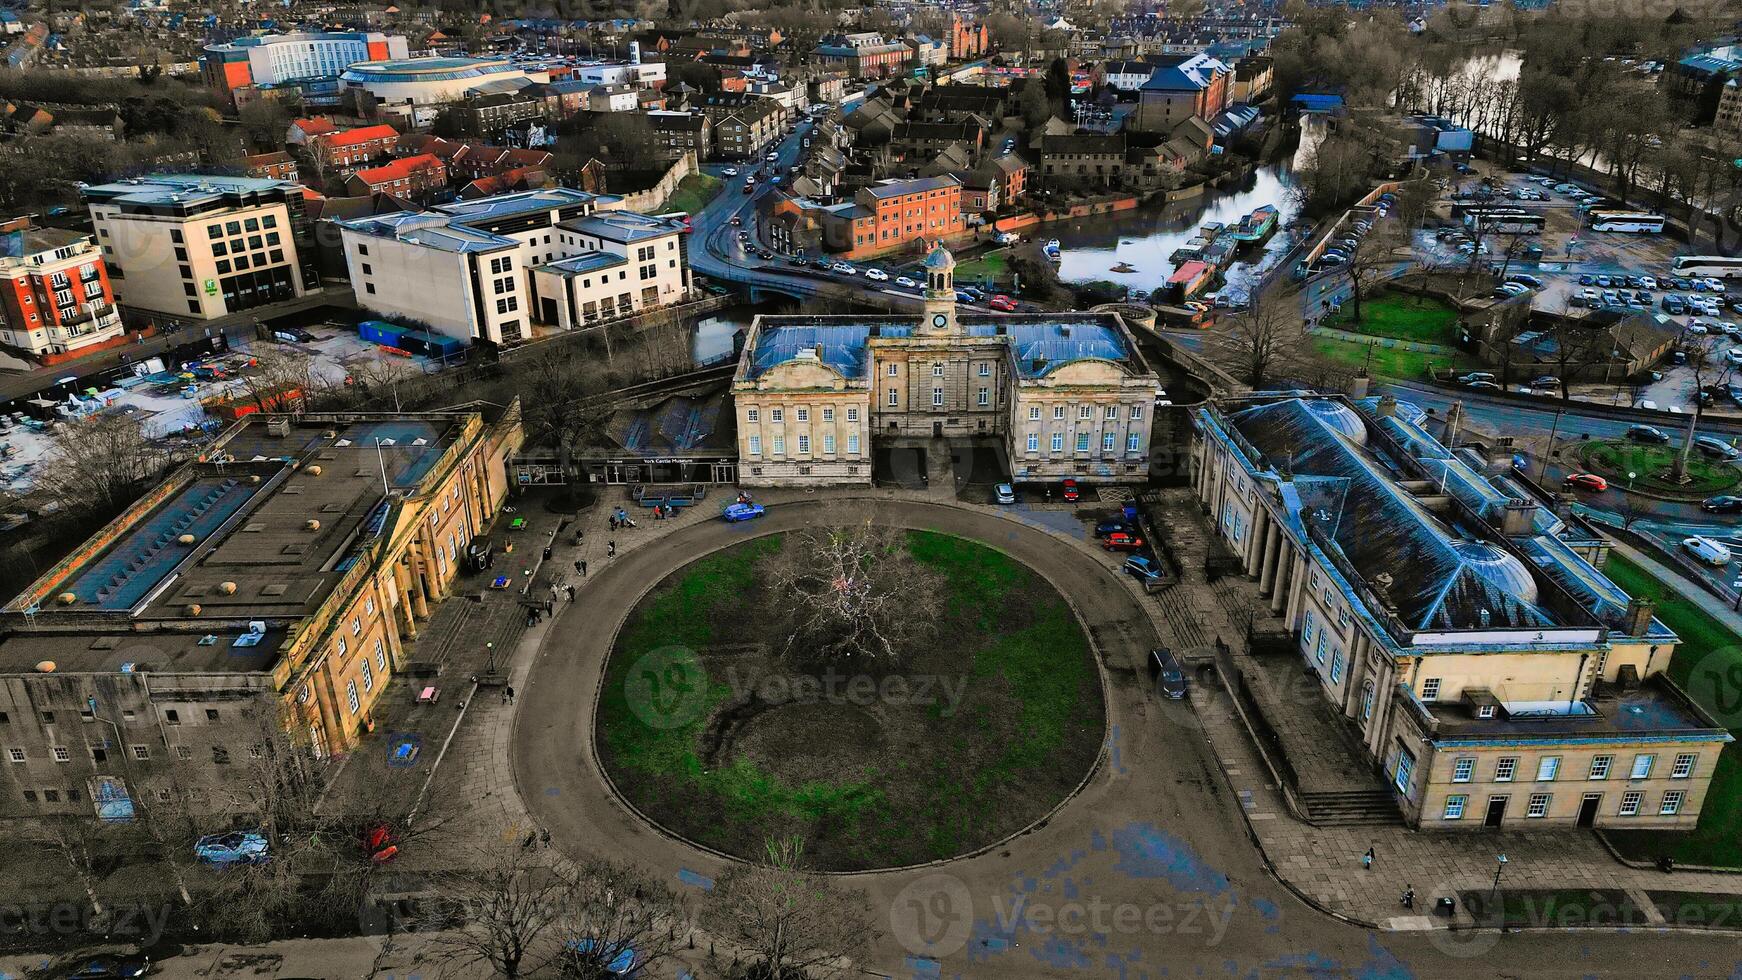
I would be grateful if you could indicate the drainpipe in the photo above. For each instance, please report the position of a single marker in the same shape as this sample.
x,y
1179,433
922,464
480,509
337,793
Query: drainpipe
x,y
1578,679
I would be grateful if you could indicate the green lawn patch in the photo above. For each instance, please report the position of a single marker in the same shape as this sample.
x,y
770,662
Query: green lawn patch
x,y
1390,313
1390,362
1708,666
993,264
1557,908
896,778
693,193
1617,458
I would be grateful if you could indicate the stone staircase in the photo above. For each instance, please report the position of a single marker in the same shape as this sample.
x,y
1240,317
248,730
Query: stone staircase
x,y
1348,808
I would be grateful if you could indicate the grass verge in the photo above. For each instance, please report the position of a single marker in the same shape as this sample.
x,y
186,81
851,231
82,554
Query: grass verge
x,y
1400,315
1390,362
1617,458
693,193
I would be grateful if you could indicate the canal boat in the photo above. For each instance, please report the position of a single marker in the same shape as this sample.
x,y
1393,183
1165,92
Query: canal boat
x,y
1255,227
1051,248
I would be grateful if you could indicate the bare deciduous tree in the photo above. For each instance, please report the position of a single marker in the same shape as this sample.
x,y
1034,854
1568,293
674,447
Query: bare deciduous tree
x,y
854,593
619,915
795,923
1262,338
512,905
100,461
559,390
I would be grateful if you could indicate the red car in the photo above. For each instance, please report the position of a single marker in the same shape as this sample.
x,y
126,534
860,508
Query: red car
x,y
1122,541
1002,303
379,843
1587,481
1071,490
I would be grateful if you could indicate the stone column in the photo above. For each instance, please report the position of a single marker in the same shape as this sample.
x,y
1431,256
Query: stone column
x,y
1285,569
1272,562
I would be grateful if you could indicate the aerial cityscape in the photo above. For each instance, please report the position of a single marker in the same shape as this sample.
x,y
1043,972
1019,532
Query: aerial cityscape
x,y
739,490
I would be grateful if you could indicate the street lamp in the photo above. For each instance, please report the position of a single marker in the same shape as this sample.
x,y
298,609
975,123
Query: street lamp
x,y
1630,477
1499,866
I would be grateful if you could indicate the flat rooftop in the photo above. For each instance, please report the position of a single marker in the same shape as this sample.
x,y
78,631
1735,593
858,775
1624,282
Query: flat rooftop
x,y
1652,708
1040,342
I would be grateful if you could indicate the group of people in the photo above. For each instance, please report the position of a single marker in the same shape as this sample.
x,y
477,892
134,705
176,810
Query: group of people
x,y
620,519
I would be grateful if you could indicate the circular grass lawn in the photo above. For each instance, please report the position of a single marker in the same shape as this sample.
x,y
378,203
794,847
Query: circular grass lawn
x,y
1614,459
709,732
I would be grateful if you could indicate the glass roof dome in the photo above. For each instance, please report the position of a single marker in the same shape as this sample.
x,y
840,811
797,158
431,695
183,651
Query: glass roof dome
x,y
1341,418
1504,571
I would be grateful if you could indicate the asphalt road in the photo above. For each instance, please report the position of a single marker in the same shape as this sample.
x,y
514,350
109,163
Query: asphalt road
x,y
1155,842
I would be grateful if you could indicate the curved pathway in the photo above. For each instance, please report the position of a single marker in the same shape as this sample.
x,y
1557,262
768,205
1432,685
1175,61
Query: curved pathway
x,y
1145,873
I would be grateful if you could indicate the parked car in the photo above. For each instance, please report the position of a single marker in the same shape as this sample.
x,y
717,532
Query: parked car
x,y
1484,386
1142,568
108,966
1127,540
1002,303
906,283
1529,280
379,843
1071,492
236,847
1716,448
1475,376
1706,550
1545,381
1724,504
590,957
844,269
292,335
1166,673
1107,527
1004,493
1587,481
876,275
1647,434
742,511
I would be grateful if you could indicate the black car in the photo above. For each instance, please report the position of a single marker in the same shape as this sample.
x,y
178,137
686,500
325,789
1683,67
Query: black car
x,y
1647,433
797,260
822,264
1165,671
1110,527
1722,505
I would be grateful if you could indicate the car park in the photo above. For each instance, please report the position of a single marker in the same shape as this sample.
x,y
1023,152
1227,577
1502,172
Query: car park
x,y
1166,674
1707,550
1672,305
742,510
1586,481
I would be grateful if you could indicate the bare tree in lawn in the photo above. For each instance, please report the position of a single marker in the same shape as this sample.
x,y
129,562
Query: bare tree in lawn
x,y
512,906
1371,259
853,593
796,924
100,462
1262,338
1709,367
613,910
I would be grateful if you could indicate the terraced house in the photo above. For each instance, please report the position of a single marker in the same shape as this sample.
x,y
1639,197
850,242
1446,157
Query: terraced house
x,y
275,581
1456,626
1058,394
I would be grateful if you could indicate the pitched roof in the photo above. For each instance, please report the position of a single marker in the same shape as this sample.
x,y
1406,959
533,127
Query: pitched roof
x,y
362,134
399,169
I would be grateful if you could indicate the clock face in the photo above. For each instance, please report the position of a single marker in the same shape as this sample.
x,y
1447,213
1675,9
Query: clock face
x,y
939,320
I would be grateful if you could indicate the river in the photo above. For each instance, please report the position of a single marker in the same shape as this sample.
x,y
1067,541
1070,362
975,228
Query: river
x,y
1143,239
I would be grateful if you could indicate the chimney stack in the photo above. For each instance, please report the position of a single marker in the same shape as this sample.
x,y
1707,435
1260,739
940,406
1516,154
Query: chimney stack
x,y
1516,519
1638,621
1387,406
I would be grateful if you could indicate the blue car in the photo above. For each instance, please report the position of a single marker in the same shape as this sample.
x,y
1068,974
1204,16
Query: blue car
x,y
236,847
741,512
580,957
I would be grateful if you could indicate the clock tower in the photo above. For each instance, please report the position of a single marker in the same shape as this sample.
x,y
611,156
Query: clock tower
x,y
940,292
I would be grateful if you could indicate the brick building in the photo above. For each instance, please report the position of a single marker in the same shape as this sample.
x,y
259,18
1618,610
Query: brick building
x,y
55,295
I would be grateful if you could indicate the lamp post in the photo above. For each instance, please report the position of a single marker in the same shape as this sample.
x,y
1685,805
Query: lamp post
x,y
1499,866
1630,478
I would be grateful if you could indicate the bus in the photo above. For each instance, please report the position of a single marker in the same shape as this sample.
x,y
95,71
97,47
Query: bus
x,y
1505,222
1635,222
1707,266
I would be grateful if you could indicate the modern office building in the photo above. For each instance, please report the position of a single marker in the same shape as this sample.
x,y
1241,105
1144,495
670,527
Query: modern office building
x,y
275,581
488,269
201,246
54,291
1061,394
277,59
1489,671
414,88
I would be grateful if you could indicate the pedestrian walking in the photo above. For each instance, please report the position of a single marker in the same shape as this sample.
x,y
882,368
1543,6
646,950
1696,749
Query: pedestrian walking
x,y
1367,859
531,838
544,837
549,606
505,695
583,564
509,692
613,522
610,549
571,593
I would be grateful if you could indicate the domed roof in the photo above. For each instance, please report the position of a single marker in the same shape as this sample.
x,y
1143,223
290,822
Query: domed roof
x,y
939,258
1504,571
1341,418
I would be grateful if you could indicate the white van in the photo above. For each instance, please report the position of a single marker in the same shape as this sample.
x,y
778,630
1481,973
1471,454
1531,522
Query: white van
x,y
1707,550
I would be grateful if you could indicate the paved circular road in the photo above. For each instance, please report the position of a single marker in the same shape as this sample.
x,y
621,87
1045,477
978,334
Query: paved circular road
x,y
1148,872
